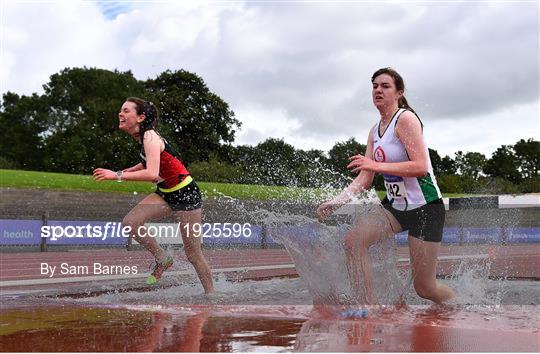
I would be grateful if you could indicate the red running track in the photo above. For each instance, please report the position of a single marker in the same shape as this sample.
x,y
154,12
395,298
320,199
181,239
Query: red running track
x,y
23,270
210,328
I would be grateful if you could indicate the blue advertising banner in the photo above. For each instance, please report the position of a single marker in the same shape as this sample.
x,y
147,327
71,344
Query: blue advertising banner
x,y
401,238
523,234
303,233
30,232
20,232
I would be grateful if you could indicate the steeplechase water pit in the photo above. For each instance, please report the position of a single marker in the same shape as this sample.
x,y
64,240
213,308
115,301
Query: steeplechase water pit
x,y
275,299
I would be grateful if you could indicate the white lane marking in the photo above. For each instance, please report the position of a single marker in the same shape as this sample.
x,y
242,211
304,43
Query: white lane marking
x,y
186,272
452,258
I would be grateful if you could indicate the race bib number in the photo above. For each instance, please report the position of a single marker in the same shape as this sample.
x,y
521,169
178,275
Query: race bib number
x,y
395,187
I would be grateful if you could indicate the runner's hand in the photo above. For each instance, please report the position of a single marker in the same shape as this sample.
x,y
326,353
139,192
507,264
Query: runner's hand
x,y
360,162
102,174
324,210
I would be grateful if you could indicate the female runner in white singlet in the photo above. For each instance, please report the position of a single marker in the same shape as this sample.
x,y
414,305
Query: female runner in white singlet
x,y
413,202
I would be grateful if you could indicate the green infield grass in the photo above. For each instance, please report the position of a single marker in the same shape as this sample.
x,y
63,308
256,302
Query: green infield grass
x,y
64,181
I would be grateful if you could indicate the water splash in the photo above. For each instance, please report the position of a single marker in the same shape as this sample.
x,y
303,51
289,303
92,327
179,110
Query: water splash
x,y
320,258
319,254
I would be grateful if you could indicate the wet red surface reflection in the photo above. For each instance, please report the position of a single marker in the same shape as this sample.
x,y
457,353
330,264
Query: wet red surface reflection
x,y
207,329
71,328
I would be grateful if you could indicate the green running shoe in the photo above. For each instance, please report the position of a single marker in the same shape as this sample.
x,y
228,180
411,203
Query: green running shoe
x,y
158,268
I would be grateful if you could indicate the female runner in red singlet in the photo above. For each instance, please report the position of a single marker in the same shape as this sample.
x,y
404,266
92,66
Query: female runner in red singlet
x,y
176,190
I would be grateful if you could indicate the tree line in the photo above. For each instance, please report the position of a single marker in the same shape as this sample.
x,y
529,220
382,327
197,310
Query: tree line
x,y
72,127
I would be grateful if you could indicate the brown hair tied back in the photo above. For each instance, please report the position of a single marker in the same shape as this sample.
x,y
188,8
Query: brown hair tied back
x,y
400,85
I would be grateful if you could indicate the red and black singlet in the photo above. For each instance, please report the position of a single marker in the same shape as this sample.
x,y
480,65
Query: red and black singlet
x,y
171,169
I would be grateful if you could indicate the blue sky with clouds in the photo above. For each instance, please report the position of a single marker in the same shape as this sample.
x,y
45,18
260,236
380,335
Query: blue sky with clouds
x,y
111,9
301,70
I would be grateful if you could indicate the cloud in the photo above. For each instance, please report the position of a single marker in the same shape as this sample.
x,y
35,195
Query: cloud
x,y
256,126
305,65
485,132
71,34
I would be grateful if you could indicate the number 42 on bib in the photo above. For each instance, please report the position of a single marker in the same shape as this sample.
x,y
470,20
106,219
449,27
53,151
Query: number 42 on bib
x,y
395,187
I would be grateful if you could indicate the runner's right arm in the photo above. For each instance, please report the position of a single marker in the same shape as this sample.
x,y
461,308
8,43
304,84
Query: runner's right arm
x,y
362,182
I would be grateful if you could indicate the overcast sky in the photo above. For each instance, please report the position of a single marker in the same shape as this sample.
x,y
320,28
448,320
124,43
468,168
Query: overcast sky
x,y
301,70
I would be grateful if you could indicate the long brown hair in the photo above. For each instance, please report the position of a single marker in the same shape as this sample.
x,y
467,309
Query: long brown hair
x,y
150,112
400,85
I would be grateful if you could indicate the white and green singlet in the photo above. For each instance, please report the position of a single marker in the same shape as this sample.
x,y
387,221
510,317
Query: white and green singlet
x,y
403,193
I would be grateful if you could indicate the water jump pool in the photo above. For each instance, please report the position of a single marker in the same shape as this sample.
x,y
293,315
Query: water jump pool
x,y
259,311
261,303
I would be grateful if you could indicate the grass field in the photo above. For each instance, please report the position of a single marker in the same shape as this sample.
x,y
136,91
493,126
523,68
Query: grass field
x,y
63,181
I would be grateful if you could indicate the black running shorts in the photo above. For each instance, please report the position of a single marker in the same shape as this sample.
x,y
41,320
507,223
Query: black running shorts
x,y
425,222
184,199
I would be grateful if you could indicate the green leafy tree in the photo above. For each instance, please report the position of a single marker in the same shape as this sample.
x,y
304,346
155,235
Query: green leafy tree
x,y
527,154
83,120
436,161
470,164
195,120
73,126
503,164
25,122
340,153
448,166
215,170
312,169
272,162
450,183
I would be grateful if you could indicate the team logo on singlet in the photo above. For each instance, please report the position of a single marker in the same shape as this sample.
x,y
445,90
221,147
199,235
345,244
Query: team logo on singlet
x,y
378,154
